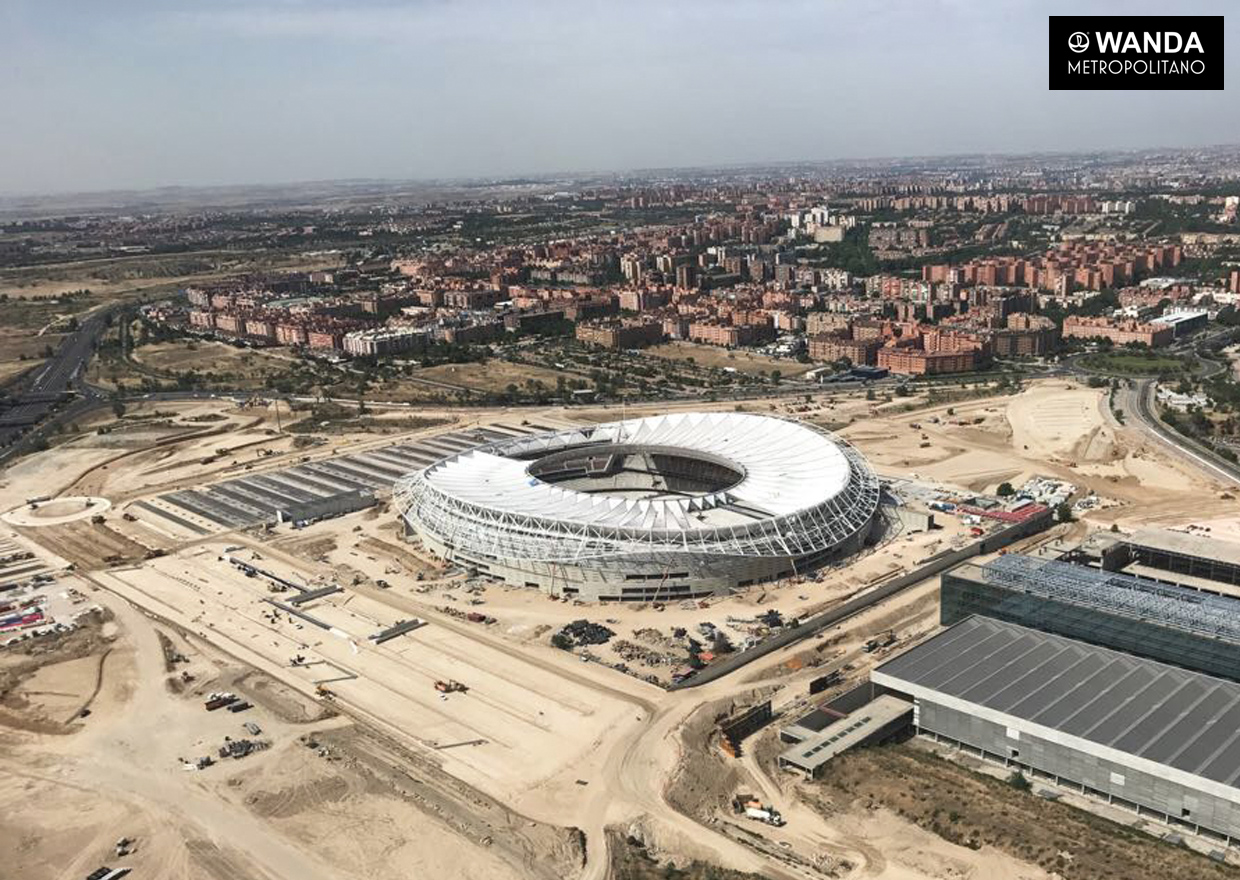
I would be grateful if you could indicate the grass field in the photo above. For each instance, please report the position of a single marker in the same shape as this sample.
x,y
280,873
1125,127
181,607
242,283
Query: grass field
x,y
243,368
1133,363
738,359
976,810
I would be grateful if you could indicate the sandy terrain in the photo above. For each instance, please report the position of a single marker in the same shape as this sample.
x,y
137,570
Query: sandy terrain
x,y
65,509
488,782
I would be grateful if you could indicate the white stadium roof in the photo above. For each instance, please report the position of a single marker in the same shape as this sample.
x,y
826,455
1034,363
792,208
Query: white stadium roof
x,y
786,488
786,466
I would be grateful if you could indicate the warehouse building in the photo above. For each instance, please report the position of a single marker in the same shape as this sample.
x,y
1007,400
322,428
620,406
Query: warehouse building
x,y
1158,740
1171,624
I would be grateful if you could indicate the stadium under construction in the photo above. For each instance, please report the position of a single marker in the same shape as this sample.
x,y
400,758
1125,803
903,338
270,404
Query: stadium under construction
x,y
665,507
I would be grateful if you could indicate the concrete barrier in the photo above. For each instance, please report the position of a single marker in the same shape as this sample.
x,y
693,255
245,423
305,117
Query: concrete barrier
x,y
940,563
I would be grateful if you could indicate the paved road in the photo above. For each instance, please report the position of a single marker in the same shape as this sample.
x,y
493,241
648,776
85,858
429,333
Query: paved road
x,y
61,375
1139,399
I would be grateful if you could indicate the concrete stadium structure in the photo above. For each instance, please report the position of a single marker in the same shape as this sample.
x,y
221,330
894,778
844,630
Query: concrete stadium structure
x,y
660,508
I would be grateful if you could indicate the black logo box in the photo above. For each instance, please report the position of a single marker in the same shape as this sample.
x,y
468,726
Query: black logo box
x,y
1079,62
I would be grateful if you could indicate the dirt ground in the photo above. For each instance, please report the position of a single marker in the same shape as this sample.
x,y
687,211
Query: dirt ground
x,y
631,860
522,774
975,811
738,359
494,375
325,800
47,681
1053,428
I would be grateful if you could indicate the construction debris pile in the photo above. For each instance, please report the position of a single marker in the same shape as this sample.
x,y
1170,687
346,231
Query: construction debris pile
x,y
583,632
239,748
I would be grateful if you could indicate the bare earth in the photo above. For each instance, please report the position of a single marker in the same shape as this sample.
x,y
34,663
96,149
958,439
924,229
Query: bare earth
x,y
530,770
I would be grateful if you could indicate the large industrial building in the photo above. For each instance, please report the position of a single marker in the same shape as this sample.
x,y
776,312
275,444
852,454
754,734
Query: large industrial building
x,y
1157,739
665,507
1178,557
1172,624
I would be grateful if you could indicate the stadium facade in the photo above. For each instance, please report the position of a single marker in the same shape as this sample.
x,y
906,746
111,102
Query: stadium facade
x,y
646,509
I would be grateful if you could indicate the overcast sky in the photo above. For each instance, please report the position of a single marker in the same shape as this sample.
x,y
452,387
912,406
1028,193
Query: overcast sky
x,y
102,94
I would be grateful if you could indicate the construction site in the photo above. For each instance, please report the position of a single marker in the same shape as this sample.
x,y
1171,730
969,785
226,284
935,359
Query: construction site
x,y
227,644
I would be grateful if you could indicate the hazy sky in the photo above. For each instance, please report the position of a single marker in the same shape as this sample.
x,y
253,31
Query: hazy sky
x,y
101,94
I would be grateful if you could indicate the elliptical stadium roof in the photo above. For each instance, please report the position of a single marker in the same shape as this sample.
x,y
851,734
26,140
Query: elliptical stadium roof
x,y
800,490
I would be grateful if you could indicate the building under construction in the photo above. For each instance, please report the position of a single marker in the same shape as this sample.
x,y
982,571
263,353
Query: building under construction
x,y
1164,622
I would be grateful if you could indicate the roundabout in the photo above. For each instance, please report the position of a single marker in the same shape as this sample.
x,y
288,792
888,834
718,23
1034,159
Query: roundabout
x,y
56,511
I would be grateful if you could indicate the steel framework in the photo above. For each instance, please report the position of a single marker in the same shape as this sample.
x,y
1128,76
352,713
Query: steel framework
x,y
812,529
1126,594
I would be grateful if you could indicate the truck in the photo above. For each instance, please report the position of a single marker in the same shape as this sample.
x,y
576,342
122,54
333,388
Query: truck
x,y
219,701
450,687
762,814
754,809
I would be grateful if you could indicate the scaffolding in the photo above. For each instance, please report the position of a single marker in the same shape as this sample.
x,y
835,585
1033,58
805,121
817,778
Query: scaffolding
x,y
1122,594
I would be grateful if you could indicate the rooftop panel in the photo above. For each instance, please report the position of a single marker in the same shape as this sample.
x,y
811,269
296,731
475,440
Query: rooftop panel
x,y
1143,708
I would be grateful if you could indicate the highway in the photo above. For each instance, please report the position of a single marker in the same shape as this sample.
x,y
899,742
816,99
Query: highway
x,y
1138,401
62,375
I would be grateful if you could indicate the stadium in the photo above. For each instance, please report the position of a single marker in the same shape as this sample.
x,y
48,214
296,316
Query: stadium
x,y
646,509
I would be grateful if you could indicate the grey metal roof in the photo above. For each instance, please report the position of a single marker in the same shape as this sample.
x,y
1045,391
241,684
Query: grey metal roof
x,y
1171,716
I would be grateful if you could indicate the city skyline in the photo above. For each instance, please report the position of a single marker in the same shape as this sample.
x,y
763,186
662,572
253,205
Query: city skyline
x,y
184,94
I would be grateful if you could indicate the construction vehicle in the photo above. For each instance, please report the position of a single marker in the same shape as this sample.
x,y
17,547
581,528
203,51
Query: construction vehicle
x,y
881,640
219,701
323,693
450,687
756,810
128,517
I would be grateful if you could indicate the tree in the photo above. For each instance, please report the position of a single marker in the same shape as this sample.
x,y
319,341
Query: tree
x,y
1063,512
118,409
1005,490
1018,781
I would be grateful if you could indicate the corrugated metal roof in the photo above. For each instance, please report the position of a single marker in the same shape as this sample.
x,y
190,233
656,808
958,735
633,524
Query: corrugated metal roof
x,y
1163,714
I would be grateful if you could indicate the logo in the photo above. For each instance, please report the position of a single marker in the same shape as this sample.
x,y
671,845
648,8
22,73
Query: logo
x,y
1170,52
